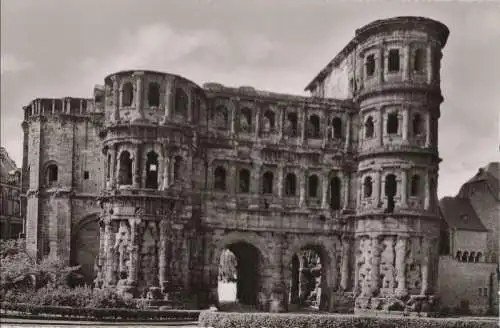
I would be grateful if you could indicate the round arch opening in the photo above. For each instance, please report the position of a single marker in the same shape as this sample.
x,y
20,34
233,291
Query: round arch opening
x,y
85,248
239,275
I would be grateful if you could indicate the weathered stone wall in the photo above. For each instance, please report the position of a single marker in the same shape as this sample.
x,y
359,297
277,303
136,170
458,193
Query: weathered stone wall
x,y
469,241
475,283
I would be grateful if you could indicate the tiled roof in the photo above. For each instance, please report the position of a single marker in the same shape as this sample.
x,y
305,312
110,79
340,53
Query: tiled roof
x,y
490,174
459,214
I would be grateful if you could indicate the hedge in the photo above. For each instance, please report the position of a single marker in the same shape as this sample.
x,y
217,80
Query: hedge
x,y
290,320
87,313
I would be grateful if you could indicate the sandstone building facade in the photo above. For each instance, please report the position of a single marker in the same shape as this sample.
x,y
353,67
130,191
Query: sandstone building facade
x,y
146,183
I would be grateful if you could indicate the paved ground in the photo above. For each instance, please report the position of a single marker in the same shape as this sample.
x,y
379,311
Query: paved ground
x,y
12,323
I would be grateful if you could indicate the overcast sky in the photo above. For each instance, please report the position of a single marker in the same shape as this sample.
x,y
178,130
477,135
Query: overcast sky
x,y
56,48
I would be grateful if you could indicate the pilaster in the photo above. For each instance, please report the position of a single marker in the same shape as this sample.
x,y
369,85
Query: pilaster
x,y
117,99
430,65
138,94
407,62
400,265
345,272
347,189
404,187
428,132
168,100
302,187
405,124
381,66
324,190
136,173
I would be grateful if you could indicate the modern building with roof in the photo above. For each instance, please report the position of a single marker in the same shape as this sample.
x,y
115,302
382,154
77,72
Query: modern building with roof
x,y
469,242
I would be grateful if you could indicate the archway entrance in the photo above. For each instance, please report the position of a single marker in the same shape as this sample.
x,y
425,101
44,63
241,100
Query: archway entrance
x,y
308,279
86,248
238,274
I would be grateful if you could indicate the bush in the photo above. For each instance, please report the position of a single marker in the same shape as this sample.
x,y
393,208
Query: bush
x,y
289,320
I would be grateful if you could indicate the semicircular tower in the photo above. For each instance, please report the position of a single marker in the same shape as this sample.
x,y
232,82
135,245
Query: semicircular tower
x,y
149,143
397,223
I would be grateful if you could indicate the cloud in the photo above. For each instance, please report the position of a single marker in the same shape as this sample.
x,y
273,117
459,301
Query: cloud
x,y
11,63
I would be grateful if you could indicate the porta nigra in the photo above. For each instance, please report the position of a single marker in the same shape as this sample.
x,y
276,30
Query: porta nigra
x,y
148,181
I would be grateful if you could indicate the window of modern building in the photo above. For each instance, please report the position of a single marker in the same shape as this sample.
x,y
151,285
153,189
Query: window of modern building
x,y
370,65
290,184
244,181
369,127
393,64
267,183
127,94
220,178
152,170
392,123
154,94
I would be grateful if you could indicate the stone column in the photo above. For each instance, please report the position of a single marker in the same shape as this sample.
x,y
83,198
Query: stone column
x,y
162,253
345,272
281,179
428,132
112,166
359,190
427,191
256,179
407,62
303,126
324,189
424,265
234,114
190,105
233,178
378,187
109,241
430,65
53,106
102,244
381,128
278,290
134,251
375,265
117,95
400,265
381,66
138,95
257,121
347,145
168,100
302,187
347,189
404,188
166,170
325,128
404,129
281,122
136,173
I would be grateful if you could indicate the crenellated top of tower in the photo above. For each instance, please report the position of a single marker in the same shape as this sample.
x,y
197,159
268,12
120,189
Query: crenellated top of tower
x,y
69,106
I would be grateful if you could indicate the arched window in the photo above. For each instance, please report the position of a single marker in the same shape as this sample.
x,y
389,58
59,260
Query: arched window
x,y
269,123
267,183
458,257
244,180
221,118
367,187
108,167
125,173
369,127
472,257
314,129
177,168
417,124
370,65
291,127
415,185
337,128
335,193
418,61
52,174
220,178
465,256
127,94
154,94
393,60
152,170
246,120
313,186
479,257
392,123
181,102
390,191
290,184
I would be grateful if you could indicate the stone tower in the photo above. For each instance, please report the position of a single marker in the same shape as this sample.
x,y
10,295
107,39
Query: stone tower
x,y
146,219
397,88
